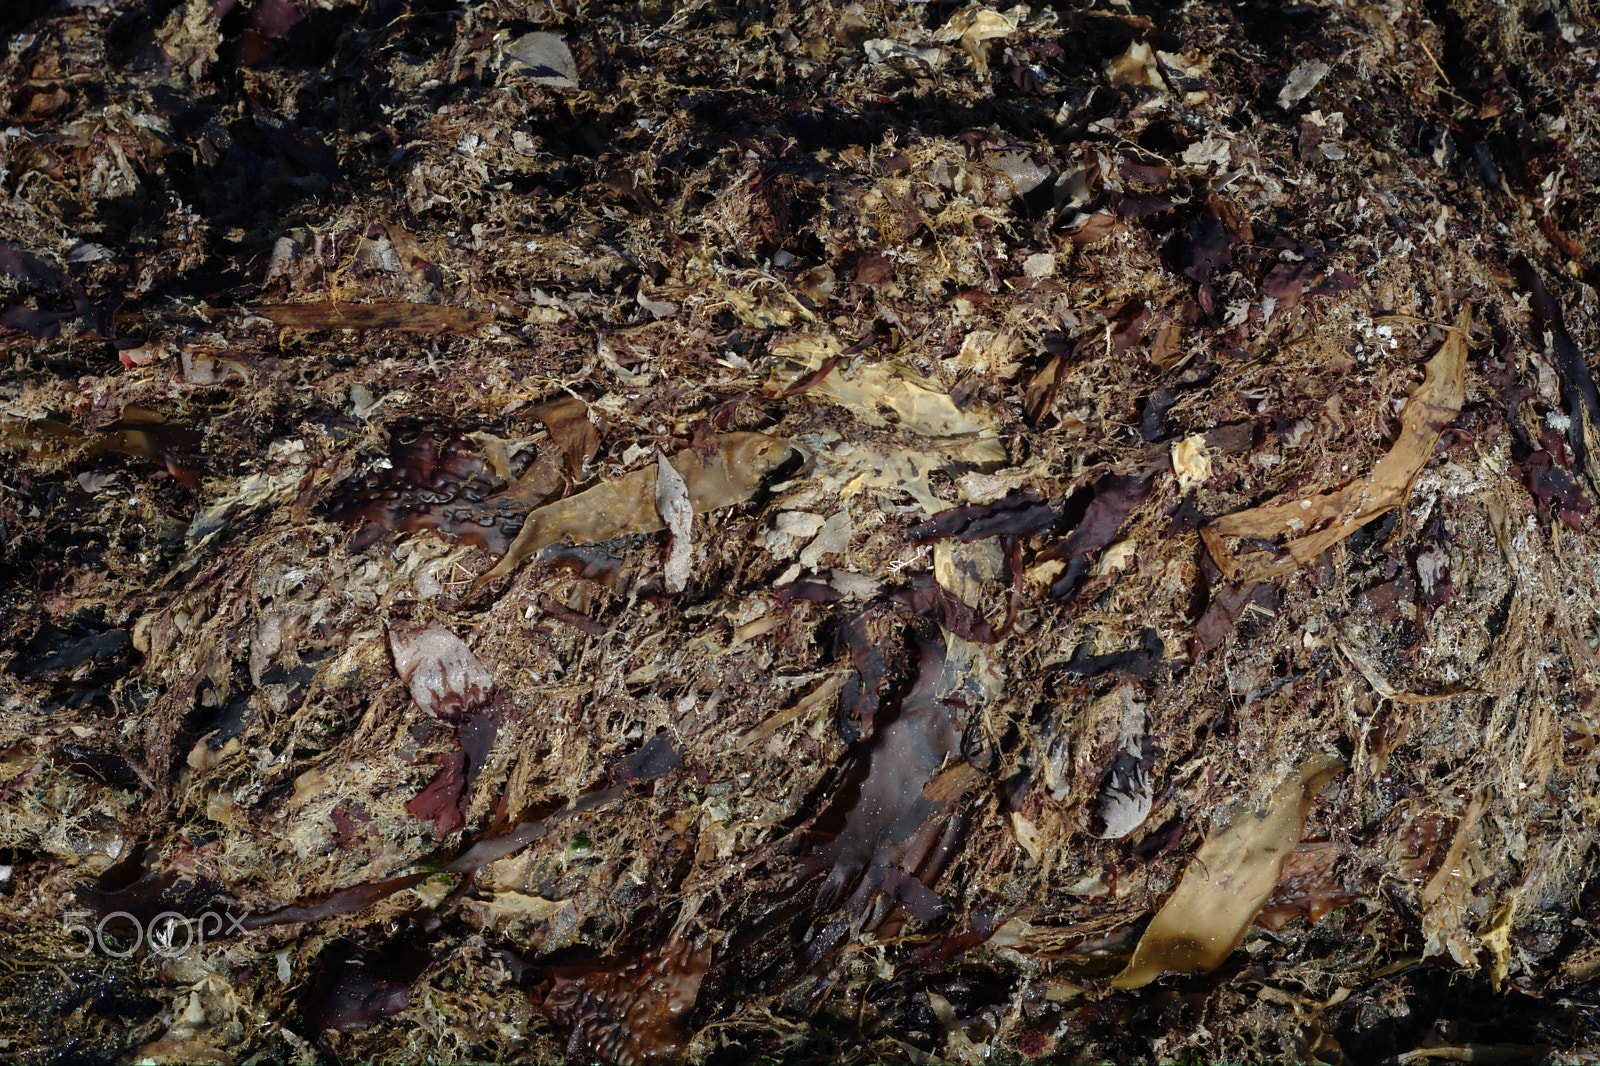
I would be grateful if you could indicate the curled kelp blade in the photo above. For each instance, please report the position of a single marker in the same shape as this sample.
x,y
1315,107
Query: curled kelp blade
x,y
728,475
1313,525
1230,878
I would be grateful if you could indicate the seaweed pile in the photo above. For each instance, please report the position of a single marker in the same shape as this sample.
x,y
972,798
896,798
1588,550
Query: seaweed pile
x,y
865,532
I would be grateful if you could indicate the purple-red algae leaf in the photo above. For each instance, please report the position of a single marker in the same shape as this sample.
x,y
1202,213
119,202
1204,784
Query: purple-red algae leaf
x,y
1204,247
1020,513
1115,498
356,988
440,800
1288,282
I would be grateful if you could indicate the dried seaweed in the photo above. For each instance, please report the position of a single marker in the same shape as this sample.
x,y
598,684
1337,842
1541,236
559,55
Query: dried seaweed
x,y
1115,498
83,319
882,395
1204,246
1222,613
677,514
1287,283
31,271
573,429
656,758
356,988
1127,795
933,601
346,901
1143,661
876,827
577,619
153,894
1578,387
1307,886
140,433
439,801
421,318
1016,301
53,650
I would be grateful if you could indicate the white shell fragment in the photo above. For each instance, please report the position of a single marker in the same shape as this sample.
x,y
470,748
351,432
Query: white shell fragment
x,y
1302,79
677,513
444,676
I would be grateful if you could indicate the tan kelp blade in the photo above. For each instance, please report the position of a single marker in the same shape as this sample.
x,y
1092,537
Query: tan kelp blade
x,y
1230,878
1317,523
628,504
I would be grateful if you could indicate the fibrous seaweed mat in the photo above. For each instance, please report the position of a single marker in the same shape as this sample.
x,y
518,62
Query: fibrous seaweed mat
x,y
858,532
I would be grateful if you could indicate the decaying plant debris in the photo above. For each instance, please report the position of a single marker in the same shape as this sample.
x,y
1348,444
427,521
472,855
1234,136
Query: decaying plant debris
x,y
834,532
